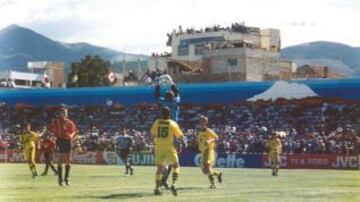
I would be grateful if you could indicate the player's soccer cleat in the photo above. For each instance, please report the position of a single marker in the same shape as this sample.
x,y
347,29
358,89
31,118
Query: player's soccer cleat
x,y
157,191
173,190
43,174
131,171
213,186
219,177
60,183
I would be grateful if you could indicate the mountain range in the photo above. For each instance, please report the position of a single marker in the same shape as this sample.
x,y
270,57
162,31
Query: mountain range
x,y
342,58
18,45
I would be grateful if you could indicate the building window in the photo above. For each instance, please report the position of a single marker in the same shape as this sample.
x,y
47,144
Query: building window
x,y
183,50
232,62
199,49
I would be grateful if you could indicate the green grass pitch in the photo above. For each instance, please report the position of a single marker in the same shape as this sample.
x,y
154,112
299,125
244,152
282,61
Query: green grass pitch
x,y
107,183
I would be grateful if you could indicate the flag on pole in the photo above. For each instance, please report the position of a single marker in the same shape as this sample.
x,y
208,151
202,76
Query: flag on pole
x,y
111,77
75,78
46,81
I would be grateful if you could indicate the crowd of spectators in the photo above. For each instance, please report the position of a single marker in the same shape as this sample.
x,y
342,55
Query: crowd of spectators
x,y
324,128
234,27
152,76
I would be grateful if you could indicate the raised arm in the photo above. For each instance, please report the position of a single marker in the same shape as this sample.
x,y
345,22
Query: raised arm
x,y
157,92
175,90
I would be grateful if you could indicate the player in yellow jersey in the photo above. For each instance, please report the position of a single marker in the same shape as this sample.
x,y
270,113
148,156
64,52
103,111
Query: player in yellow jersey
x,y
164,131
275,147
28,141
207,139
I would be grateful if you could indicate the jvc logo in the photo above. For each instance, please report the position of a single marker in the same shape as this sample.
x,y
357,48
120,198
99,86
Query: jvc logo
x,y
345,162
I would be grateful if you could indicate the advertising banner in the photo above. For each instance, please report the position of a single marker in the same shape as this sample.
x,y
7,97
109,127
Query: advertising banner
x,y
192,158
317,161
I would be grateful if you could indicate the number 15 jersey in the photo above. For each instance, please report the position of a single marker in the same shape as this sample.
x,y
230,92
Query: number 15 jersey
x,y
164,131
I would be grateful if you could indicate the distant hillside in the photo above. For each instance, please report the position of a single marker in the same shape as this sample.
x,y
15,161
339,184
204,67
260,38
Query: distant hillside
x,y
341,58
18,45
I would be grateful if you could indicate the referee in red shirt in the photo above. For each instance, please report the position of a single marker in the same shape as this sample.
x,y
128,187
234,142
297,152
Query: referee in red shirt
x,y
48,148
64,130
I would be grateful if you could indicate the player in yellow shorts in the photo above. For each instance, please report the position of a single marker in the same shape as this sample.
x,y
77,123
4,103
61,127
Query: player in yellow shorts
x,y
28,140
206,140
275,147
164,131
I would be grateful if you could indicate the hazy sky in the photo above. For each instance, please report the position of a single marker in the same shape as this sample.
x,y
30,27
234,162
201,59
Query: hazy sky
x,y
140,26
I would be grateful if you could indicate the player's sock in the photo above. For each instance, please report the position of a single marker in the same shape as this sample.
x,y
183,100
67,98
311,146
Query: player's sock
x,y
60,175
67,172
35,171
31,168
212,180
273,171
173,190
218,175
53,169
158,181
215,173
128,168
175,177
131,170
46,170
166,174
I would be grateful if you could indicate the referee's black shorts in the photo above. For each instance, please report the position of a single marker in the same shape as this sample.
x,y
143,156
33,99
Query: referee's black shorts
x,y
124,153
63,145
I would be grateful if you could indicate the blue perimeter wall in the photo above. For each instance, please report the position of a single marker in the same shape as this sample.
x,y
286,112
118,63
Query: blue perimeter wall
x,y
204,93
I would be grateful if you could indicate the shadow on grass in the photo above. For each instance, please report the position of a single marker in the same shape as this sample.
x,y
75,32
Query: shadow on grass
x,y
120,196
124,196
191,188
138,195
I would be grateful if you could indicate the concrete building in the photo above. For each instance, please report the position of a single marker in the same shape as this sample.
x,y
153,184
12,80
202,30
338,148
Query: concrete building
x,y
254,64
316,71
54,70
191,46
14,79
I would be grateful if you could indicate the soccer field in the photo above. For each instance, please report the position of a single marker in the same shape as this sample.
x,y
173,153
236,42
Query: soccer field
x,y
107,183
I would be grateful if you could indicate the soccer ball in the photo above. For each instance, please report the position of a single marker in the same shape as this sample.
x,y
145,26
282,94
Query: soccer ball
x,y
281,134
263,129
165,80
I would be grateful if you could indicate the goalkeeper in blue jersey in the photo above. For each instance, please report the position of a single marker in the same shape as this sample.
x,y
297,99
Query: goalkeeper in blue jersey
x,y
171,99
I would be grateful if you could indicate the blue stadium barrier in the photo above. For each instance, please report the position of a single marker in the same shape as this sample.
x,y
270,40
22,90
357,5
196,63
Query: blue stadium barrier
x,y
204,93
